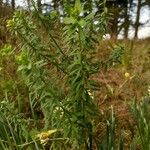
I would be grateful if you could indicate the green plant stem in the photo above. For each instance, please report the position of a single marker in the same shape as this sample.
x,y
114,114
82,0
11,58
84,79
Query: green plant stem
x,y
42,21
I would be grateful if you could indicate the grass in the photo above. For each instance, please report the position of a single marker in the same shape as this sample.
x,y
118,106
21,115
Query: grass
x,y
119,92
116,90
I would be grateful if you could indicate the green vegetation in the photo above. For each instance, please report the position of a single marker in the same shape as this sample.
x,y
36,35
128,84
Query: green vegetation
x,y
64,87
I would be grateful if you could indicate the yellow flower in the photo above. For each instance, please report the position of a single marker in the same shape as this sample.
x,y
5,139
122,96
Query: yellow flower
x,y
44,136
127,75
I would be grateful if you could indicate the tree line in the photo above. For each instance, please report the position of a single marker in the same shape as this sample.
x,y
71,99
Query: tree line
x,y
120,12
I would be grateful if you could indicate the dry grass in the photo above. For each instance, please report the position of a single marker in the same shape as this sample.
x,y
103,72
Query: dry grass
x,y
118,91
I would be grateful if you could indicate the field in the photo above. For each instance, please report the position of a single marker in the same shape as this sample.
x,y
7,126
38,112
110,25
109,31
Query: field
x,y
64,87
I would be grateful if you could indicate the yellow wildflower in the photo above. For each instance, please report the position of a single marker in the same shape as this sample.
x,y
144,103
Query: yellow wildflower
x,y
127,75
44,136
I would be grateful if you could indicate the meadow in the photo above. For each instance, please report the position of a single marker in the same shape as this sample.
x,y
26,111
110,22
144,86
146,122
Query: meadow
x,y
64,87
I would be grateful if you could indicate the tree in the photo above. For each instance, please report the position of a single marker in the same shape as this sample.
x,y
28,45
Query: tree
x,y
1,1
126,21
39,5
29,4
137,23
7,2
13,4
